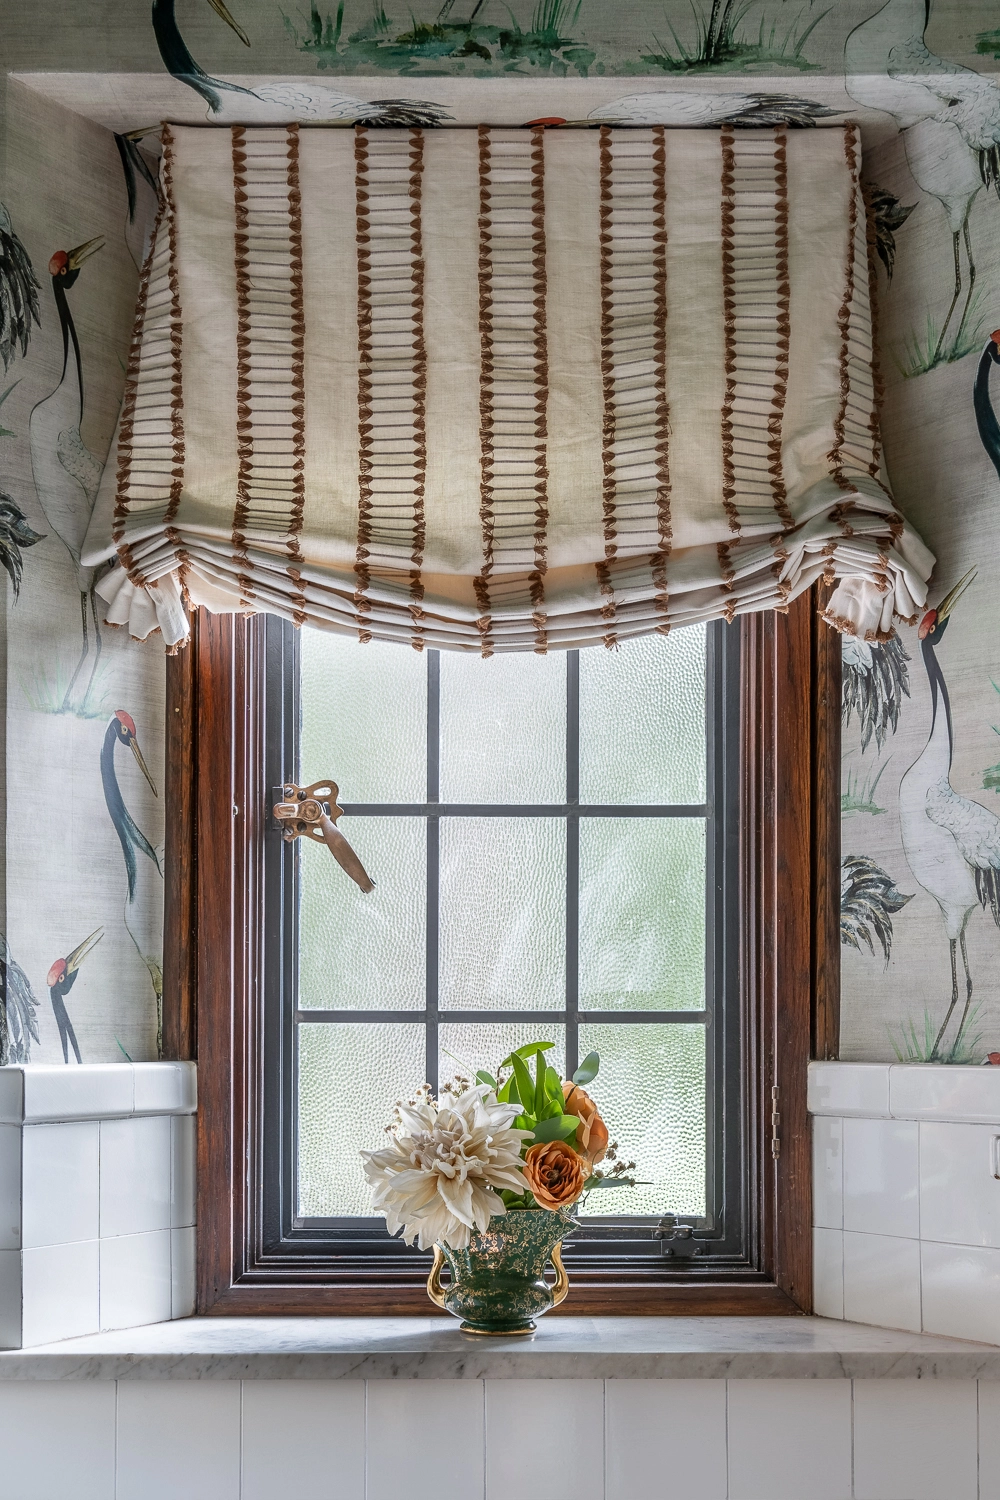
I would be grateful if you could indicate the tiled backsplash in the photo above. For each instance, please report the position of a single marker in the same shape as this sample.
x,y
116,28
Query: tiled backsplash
x,y
906,1196
565,1439
97,1204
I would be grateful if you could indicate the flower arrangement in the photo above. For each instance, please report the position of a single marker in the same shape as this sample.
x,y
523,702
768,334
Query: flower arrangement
x,y
525,1138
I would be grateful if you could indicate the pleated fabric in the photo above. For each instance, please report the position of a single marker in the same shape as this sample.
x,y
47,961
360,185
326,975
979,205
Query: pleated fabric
x,y
504,390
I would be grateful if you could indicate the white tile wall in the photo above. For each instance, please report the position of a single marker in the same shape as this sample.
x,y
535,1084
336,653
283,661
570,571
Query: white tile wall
x,y
135,1174
521,1418
60,1292
58,1440
313,1430
135,1279
178,1438
425,1439
96,1214
989,1440
961,1291
828,1173
789,1439
915,1440
881,1177
464,1440
60,1183
10,1187
919,1246
959,1195
849,1089
665,1437
882,1280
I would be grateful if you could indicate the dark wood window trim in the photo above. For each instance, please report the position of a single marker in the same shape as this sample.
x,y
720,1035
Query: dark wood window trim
x,y
789,945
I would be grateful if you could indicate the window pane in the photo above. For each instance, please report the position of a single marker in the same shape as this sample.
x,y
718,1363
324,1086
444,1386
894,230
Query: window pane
x,y
503,728
364,718
642,720
349,1079
360,952
503,905
467,1046
642,913
651,1093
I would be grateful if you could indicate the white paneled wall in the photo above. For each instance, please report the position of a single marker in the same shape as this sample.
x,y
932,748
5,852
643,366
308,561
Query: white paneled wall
x,y
472,1440
97,1204
906,1196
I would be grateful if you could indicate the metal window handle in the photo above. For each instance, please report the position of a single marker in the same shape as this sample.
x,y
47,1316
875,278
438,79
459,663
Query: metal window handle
x,y
311,812
995,1156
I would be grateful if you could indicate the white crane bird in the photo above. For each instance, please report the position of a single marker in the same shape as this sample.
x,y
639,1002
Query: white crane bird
x,y
949,116
951,844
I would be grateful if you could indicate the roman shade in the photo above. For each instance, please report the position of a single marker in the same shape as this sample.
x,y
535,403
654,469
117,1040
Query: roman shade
x,y
502,390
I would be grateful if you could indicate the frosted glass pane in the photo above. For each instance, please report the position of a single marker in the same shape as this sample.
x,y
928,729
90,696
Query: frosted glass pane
x,y
642,913
502,915
349,1080
360,952
364,717
642,720
651,1093
467,1046
503,728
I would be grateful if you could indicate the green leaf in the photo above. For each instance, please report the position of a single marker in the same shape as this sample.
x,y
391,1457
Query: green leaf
x,y
525,1087
559,1128
528,1050
483,1077
6,432
553,1085
503,1095
588,1069
539,1083
7,392
611,1182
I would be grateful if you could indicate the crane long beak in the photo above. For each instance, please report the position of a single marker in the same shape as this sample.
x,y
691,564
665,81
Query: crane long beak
x,y
220,10
83,252
949,601
75,959
143,766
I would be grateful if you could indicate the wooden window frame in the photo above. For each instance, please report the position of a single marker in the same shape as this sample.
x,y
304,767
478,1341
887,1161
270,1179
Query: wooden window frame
x,y
789,965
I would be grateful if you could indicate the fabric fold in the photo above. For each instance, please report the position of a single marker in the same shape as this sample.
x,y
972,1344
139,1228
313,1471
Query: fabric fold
x,y
504,390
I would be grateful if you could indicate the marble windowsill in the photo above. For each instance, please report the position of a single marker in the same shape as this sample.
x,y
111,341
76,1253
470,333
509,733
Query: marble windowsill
x,y
712,1348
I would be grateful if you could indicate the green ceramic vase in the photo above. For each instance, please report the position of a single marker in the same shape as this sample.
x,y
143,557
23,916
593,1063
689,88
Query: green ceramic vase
x,y
498,1285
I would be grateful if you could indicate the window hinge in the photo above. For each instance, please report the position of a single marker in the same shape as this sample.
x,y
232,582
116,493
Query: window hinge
x,y
775,1122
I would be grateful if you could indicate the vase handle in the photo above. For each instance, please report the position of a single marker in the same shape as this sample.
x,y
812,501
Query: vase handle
x,y
434,1291
560,1287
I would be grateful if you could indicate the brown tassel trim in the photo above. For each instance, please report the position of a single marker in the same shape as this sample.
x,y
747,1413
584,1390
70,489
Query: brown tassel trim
x,y
784,332
417,276
664,522
486,519
729,324
361,570
244,429
298,331
537,578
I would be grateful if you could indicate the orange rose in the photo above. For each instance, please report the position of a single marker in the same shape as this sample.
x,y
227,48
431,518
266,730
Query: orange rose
x,y
592,1135
555,1173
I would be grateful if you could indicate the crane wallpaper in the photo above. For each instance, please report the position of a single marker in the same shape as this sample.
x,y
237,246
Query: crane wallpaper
x,y
920,913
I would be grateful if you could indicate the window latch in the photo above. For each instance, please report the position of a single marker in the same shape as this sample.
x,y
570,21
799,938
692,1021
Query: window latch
x,y
775,1123
311,812
677,1240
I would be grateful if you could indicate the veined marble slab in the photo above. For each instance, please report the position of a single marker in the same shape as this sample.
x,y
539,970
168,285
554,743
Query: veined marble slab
x,y
713,1348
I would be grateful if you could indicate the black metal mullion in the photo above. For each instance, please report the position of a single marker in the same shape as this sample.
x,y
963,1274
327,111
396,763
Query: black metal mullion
x,y
572,862
432,961
524,810
491,1017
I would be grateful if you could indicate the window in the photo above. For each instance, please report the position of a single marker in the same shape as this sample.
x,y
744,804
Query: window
x,y
550,837
522,879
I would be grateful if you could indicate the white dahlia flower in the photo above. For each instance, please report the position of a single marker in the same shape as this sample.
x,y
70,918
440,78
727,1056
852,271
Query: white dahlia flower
x,y
436,1180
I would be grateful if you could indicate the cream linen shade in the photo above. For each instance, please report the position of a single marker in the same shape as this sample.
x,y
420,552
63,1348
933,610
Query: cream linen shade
x,y
504,390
